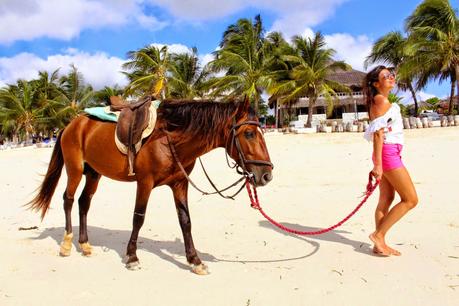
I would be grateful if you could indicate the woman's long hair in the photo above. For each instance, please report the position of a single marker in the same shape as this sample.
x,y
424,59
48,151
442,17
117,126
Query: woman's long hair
x,y
369,90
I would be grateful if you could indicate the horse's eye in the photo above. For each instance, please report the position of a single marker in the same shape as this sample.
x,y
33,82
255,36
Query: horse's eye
x,y
249,134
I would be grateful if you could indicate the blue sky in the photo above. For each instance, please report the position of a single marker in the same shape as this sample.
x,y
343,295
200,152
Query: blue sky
x,y
95,35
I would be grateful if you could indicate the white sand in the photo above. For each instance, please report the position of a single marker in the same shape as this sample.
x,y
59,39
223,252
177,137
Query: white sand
x,y
317,179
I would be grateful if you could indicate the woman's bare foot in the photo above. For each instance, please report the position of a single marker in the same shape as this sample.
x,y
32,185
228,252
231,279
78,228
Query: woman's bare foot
x,y
394,251
380,247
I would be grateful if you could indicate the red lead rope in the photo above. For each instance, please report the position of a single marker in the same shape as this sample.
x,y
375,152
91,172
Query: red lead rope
x,y
256,205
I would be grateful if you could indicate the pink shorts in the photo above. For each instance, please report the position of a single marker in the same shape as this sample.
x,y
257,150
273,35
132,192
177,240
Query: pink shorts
x,y
391,158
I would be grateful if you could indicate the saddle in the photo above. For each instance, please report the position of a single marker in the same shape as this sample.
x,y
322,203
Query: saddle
x,y
133,119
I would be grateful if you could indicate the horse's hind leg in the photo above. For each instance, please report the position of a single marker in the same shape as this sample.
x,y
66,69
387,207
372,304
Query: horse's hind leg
x,y
144,187
180,191
84,202
74,168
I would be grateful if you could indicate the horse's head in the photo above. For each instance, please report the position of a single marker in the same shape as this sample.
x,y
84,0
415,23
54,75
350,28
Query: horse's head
x,y
246,145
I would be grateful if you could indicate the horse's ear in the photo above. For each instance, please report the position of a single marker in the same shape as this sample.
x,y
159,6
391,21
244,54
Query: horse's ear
x,y
243,107
116,101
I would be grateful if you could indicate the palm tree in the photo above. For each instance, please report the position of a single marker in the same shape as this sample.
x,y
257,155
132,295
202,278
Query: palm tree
x,y
19,112
75,95
242,58
391,49
47,89
148,71
186,77
103,96
434,44
312,64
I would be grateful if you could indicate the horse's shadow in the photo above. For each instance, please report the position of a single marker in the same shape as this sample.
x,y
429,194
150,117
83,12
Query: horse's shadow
x,y
109,239
331,236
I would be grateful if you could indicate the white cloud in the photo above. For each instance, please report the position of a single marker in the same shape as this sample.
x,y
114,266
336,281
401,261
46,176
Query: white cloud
x,y
98,69
200,10
174,48
309,12
30,19
295,16
353,50
205,59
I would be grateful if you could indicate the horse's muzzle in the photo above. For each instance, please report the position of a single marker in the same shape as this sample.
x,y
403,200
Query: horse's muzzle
x,y
262,178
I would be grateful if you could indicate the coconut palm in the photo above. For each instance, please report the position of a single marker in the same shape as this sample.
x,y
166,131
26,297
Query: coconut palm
x,y
148,71
20,115
103,96
312,64
187,76
434,44
391,49
47,89
242,59
47,85
75,95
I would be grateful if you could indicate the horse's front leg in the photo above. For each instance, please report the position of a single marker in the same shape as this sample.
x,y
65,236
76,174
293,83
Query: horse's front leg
x,y
144,188
180,191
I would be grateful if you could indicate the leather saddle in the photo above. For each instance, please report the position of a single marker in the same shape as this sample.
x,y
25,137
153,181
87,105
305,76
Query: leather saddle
x,y
132,121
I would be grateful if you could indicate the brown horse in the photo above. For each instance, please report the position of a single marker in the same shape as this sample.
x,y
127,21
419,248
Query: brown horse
x,y
86,146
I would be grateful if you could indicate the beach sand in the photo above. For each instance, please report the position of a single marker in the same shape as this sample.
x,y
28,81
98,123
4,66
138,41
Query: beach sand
x,y
317,181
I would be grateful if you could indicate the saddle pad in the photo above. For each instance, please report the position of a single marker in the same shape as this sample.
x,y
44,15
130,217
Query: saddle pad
x,y
147,132
102,113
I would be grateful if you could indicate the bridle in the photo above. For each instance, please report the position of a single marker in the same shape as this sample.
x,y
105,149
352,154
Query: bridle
x,y
241,167
233,141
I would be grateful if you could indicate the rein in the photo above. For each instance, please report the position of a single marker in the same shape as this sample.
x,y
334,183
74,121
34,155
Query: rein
x,y
256,205
219,192
247,175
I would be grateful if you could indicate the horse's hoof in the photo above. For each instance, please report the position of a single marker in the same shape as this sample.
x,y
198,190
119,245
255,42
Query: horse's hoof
x,y
66,245
200,269
65,251
132,263
86,248
133,266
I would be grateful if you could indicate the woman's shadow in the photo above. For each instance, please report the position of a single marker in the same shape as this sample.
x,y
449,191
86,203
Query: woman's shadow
x,y
109,239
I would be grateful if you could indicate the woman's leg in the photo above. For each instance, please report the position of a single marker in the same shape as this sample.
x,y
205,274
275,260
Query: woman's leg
x,y
401,181
386,197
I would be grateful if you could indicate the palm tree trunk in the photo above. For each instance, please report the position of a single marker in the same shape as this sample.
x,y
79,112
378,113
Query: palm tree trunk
x,y
413,94
312,102
451,99
457,83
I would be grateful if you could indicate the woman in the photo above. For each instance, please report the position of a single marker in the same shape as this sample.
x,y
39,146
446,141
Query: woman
x,y
386,132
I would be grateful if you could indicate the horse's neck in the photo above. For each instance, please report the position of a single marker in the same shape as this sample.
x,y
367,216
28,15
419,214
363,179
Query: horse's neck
x,y
193,148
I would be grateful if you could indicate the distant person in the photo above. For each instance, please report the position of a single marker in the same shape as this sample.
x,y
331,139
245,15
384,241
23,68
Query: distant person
x,y
386,133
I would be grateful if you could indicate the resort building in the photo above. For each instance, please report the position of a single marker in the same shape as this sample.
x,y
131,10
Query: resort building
x,y
347,106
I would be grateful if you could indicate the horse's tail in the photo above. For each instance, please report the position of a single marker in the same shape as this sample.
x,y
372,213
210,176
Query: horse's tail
x,y
46,190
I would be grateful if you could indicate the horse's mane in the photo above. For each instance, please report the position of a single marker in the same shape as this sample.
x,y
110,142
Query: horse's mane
x,y
196,118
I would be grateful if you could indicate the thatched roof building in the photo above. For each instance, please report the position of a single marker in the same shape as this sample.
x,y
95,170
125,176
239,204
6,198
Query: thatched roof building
x,y
345,102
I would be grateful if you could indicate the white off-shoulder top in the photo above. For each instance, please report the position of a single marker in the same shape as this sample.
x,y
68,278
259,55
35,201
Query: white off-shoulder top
x,y
391,122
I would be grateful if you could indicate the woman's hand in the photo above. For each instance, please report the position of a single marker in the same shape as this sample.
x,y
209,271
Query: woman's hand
x,y
377,172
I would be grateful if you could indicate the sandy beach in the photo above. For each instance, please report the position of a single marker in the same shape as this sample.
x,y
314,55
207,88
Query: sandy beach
x,y
317,181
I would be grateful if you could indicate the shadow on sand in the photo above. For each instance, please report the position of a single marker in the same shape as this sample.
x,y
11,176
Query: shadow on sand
x,y
117,240
332,236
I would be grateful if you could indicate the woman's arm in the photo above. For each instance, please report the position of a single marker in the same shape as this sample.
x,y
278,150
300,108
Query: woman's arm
x,y
378,139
